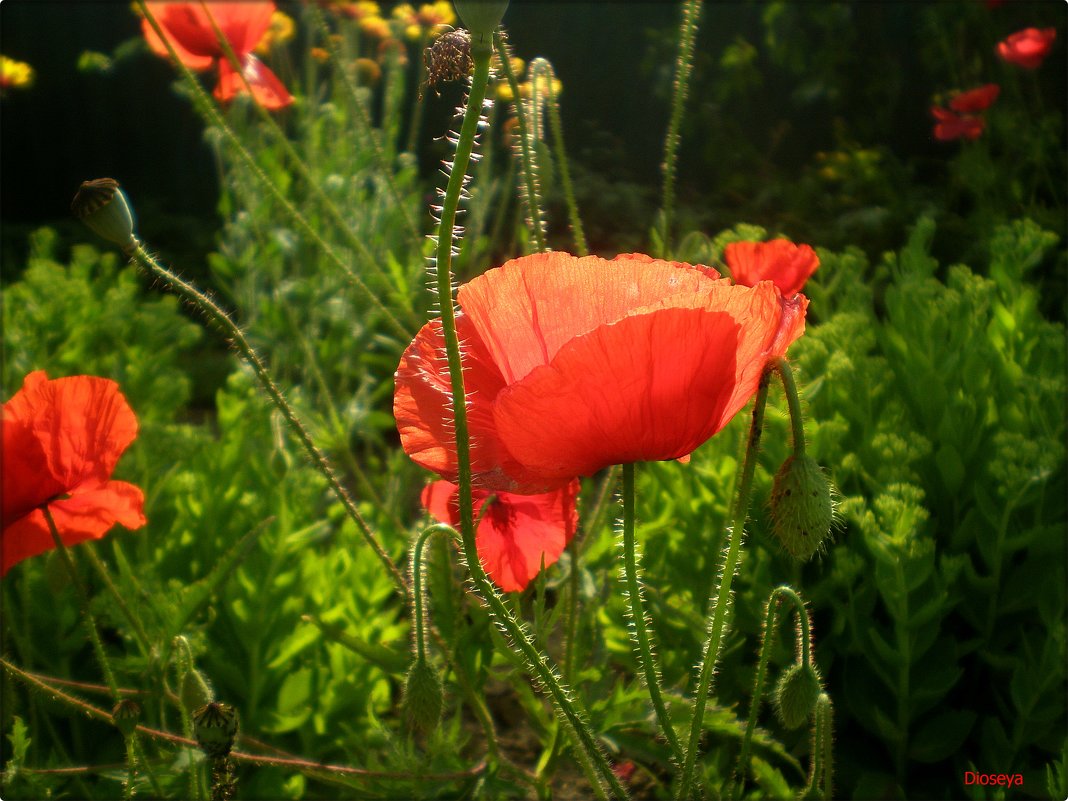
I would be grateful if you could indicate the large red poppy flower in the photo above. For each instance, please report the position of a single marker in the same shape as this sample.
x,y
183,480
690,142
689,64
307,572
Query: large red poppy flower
x,y
975,100
517,533
780,261
950,125
1027,48
62,440
574,364
189,29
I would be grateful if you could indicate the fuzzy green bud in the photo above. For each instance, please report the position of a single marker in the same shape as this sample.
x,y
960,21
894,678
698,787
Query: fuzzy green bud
x,y
126,713
481,17
423,698
796,694
802,509
215,727
102,206
195,691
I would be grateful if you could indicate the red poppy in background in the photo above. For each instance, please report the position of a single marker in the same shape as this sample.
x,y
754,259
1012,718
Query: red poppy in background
x,y
62,440
975,100
574,364
1027,48
517,533
952,126
787,265
190,31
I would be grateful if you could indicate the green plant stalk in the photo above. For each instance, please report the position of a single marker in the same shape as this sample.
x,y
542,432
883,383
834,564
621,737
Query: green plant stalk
x,y
640,630
793,401
587,750
208,110
691,12
556,128
419,607
217,316
139,630
94,636
821,779
530,182
302,168
416,116
767,640
717,622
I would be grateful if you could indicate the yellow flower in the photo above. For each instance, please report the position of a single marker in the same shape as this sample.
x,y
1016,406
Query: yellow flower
x,y
376,27
14,74
405,13
431,20
368,71
319,54
504,91
279,32
432,15
358,9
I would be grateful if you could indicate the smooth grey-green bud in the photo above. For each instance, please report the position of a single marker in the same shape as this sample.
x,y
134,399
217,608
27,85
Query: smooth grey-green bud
x,y
796,694
102,206
195,691
802,507
423,698
481,17
215,727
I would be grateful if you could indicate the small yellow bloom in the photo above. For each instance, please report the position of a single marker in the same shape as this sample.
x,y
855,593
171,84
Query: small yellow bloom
x,y
405,13
432,15
376,27
14,74
279,32
367,71
319,54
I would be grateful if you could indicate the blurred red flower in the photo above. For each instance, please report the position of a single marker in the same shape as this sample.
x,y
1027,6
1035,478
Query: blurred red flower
x,y
975,100
62,440
190,31
1027,48
516,533
952,126
787,265
574,364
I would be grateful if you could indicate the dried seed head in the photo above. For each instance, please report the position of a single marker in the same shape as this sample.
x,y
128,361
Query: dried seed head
x,y
215,727
126,713
102,206
802,507
796,694
448,58
423,698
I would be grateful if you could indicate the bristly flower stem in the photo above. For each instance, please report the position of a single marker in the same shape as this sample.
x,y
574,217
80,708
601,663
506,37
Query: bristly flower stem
x,y
691,12
793,401
217,316
587,751
717,622
644,649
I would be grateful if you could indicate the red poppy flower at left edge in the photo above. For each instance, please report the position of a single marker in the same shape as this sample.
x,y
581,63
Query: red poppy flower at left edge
x,y
517,533
61,441
189,29
780,261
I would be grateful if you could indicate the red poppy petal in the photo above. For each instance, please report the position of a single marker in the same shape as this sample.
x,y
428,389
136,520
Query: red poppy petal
x,y
83,516
439,498
26,481
243,23
788,265
188,30
529,308
267,90
83,424
422,406
652,386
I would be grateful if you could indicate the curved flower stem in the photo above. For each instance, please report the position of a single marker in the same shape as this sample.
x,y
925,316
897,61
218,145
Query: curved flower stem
x,y
593,761
215,315
211,114
419,607
793,400
691,12
640,630
821,780
771,622
540,66
717,621
530,181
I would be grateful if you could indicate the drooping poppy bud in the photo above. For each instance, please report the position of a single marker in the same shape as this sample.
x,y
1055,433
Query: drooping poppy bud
x,y
423,698
101,205
802,509
195,691
215,727
796,694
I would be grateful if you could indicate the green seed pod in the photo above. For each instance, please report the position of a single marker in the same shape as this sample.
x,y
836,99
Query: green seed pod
x,y
102,206
481,17
195,691
215,727
423,698
796,694
126,713
802,509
